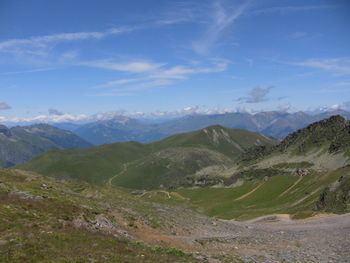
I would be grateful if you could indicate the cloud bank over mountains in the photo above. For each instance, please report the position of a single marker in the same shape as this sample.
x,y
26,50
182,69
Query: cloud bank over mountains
x,y
56,116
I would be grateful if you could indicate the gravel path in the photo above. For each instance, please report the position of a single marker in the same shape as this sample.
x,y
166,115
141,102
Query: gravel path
x,y
273,238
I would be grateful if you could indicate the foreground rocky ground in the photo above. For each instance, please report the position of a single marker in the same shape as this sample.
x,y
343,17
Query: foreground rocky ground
x,y
44,220
325,238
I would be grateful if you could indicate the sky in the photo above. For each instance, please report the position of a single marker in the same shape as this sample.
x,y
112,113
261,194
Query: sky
x,y
79,60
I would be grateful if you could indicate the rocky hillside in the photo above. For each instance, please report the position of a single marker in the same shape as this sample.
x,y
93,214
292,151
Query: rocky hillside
x,y
325,144
336,197
20,144
167,163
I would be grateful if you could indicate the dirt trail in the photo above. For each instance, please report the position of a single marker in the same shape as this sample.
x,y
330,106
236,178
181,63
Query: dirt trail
x,y
291,187
125,167
307,196
249,193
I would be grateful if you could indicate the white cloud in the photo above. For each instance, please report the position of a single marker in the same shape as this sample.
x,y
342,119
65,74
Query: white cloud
x,y
221,19
286,9
132,67
25,71
297,35
342,84
339,66
131,89
157,76
117,83
38,45
146,85
179,15
48,119
182,72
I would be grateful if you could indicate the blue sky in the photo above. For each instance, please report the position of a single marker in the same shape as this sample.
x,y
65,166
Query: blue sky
x,y
70,60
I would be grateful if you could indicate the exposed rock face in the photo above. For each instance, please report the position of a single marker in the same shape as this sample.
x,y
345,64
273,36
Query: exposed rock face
x,y
302,172
5,131
336,198
332,133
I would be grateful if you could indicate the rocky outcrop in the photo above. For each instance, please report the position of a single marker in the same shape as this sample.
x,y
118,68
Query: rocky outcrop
x,y
336,197
302,172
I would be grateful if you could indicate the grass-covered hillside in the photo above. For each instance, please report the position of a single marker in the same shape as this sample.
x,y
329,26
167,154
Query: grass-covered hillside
x,y
20,144
294,194
44,220
174,161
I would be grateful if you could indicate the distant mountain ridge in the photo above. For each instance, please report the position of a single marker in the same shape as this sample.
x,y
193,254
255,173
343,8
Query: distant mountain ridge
x,y
273,123
19,144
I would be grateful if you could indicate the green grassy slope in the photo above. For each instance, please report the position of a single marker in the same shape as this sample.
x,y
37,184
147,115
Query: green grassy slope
x,y
44,220
293,195
230,142
95,165
173,167
149,166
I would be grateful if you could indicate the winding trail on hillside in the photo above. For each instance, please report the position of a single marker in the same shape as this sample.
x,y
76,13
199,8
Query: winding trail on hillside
x,y
125,167
291,187
307,196
249,193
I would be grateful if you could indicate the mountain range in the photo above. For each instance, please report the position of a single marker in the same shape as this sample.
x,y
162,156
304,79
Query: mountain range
x,y
122,129
21,143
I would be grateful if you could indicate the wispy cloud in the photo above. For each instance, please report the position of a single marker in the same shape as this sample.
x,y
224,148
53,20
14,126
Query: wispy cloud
x,y
342,84
117,83
256,95
330,90
132,89
221,19
39,45
179,14
339,66
182,72
297,35
156,75
132,67
26,71
286,9
4,106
